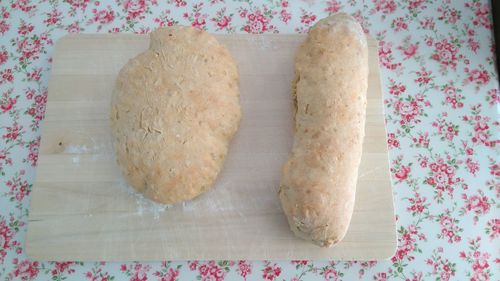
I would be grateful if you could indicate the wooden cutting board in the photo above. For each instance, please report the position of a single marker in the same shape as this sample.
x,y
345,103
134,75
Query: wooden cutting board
x,y
81,209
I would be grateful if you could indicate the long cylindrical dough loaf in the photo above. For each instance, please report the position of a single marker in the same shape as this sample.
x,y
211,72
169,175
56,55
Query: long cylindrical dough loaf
x,y
318,186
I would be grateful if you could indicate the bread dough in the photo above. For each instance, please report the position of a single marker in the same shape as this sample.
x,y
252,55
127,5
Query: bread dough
x,y
318,185
175,108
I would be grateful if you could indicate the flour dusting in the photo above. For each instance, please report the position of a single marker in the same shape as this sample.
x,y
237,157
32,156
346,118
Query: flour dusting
x,y
217,199
103,150
266,44
96,147
98,150
262,43
76,149
143,204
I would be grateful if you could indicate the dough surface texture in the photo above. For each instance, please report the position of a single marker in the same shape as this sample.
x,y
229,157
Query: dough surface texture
x,y
174,110
318,184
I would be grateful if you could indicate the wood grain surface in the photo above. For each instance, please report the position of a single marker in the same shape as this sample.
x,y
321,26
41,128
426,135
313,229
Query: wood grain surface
x,y
81,208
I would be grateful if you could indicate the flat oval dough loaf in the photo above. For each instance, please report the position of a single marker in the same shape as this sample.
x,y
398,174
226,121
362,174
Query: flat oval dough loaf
x,y
175,109
319,180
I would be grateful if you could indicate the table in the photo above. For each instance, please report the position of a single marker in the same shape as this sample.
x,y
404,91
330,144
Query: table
x,y
442,101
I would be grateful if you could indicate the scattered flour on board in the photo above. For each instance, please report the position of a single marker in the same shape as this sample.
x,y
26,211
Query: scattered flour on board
x,y
266,44
143,204
76,149
105,146
98,151
104,150
262,43
217,199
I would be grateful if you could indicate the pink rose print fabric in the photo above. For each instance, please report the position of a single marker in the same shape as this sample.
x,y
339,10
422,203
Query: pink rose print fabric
x,y
441,99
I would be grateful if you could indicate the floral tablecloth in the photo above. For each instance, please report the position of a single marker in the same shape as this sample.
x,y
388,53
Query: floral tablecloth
x,y
442,101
